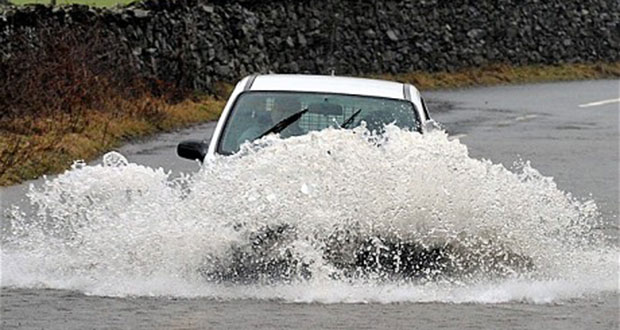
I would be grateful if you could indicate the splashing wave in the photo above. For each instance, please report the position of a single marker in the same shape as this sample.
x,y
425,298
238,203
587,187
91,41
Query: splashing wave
x,y
333,216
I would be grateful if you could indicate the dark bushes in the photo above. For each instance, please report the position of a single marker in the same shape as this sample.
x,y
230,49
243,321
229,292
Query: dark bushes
x,y
66,82
66,72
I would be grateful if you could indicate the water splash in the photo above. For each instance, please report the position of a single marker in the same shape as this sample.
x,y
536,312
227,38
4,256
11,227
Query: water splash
x,y
332,216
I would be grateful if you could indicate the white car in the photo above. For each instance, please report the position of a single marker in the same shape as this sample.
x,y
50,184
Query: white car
x,y
292,105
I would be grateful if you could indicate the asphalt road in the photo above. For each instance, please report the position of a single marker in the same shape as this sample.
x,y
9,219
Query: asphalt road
x,y
559,127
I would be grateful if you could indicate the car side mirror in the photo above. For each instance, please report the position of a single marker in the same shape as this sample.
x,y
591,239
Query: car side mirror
x,y
193,149
431,125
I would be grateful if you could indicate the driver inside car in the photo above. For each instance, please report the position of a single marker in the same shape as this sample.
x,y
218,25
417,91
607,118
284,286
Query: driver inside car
x,y
283,107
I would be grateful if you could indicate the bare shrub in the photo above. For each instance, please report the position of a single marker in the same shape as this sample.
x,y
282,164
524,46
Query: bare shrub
x,y
52,81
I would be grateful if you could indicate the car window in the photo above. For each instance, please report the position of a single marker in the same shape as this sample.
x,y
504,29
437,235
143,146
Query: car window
x,y
254,113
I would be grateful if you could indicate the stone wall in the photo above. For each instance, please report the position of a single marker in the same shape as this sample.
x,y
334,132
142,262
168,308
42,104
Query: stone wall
x,y
195,43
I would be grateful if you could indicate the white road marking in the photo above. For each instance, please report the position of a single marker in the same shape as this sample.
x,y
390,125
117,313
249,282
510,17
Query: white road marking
x,y
526,117
603,102
458,136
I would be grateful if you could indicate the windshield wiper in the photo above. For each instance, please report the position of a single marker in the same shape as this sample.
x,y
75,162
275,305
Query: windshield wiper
x,y
284,123
350,119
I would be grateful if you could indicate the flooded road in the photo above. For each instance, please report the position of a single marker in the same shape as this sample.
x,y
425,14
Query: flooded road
x,y
543,124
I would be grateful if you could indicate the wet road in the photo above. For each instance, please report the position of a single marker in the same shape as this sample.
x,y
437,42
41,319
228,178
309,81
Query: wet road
x,y
53,309
543,123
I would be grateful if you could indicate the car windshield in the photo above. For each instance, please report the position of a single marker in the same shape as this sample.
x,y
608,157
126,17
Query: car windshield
x,y
256,113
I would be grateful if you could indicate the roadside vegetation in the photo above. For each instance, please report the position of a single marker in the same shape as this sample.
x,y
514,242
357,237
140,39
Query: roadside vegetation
x,y
505,74
66,100
62,103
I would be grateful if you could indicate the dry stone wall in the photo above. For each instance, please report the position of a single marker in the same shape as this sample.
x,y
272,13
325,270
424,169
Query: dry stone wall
x,y
195,43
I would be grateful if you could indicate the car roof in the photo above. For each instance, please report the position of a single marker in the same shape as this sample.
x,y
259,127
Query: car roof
x,y
328,84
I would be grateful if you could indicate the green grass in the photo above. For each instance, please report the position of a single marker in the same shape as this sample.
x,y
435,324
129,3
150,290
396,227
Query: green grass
x,y
95,3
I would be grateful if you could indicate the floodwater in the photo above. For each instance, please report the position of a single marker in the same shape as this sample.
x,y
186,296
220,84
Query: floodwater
x,y
508,221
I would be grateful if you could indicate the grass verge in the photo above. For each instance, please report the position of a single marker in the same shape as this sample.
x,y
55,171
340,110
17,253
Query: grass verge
x,y
505,74
49,147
